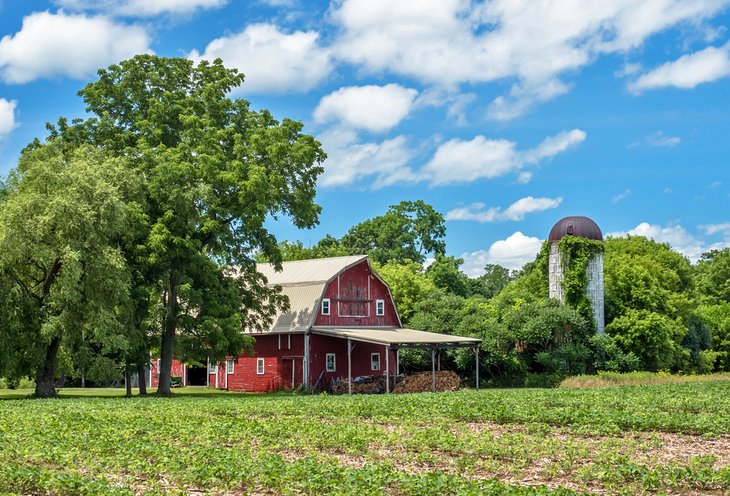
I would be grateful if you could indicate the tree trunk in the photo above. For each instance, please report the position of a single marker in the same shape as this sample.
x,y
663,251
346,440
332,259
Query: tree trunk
x,y
168,338
142,377
45,386
127,381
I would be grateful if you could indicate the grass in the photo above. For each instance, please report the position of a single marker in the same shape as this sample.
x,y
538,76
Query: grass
x,y
606,379
654,438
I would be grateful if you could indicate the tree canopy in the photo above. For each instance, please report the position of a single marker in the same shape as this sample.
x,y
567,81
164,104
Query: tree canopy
x,y
214,170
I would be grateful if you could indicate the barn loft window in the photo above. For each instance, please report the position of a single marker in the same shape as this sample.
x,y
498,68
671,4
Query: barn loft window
x,y
229,366
325,306
212,368
375,361
379,307
330,361
260,366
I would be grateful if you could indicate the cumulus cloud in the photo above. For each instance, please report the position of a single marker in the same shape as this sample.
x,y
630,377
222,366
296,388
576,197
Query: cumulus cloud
x,y
350,160
458,161
532,44
687,71
517,211
141,8
373,108
678,237
272,60
512,253
7,116
70,45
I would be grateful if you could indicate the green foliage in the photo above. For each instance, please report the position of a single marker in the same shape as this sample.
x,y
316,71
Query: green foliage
x,y
60,266
465,442
717,318
407,231
575,255
653,337
214,171
445,274
609,356
712,274
494,280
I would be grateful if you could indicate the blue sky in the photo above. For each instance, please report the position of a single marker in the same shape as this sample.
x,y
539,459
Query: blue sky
x,y
505,115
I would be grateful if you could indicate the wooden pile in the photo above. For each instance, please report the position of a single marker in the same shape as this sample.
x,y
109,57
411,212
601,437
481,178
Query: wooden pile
x,y
372,384
421,382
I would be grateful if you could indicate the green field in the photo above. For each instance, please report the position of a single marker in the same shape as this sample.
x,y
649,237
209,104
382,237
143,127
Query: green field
x,y
656,439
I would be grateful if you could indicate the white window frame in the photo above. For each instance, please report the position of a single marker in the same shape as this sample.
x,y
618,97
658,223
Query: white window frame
x,y
159,365
230,366
327,362
379,307
260,366
372,363
327,302
213,368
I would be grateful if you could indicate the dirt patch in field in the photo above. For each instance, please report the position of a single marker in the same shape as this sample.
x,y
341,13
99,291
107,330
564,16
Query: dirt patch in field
x,y
562,458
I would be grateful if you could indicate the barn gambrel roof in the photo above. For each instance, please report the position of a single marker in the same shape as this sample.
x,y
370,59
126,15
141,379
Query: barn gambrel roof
x,y
304,282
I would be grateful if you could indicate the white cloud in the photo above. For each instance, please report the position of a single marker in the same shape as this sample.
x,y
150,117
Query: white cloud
x,y
524,177
7,116
141,8
512,253
481,158
687,71
659,140
350,161
621,196
677,237
62,44
273,61
533,44
712,229
517,211
374,108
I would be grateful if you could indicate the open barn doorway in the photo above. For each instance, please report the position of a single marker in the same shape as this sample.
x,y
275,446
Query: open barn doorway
x,y
197,376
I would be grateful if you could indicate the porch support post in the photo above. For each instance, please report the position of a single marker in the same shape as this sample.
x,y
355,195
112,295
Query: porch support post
x,y
349,367
433,369
397,362
387,369
476,352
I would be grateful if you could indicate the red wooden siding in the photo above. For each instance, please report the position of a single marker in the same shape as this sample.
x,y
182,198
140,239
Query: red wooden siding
x,y
352,300
321,345
177,371
280,353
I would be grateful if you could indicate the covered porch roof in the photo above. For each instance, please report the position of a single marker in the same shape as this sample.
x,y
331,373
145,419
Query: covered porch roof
x,y
399,337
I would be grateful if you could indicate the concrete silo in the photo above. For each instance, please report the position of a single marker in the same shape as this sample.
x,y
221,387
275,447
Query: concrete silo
x,y
585,228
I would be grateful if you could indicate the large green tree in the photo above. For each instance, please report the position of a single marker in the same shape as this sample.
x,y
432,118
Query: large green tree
x,y
62,274
214,170
410,230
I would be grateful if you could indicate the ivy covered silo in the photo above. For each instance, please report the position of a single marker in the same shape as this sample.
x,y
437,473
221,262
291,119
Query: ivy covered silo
x,y
576,266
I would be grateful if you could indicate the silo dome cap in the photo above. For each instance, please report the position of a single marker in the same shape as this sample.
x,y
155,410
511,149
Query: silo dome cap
x,y
575,226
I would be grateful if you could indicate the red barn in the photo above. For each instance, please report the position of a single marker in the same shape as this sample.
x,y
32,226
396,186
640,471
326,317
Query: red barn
x,y
342,322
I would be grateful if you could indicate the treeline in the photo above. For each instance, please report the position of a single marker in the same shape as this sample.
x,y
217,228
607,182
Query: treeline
x,y
662,312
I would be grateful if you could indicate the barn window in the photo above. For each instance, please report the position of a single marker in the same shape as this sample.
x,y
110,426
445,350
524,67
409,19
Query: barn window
x,y
212,368
375,361
325,306
229,366
330,360
260,366
379,307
